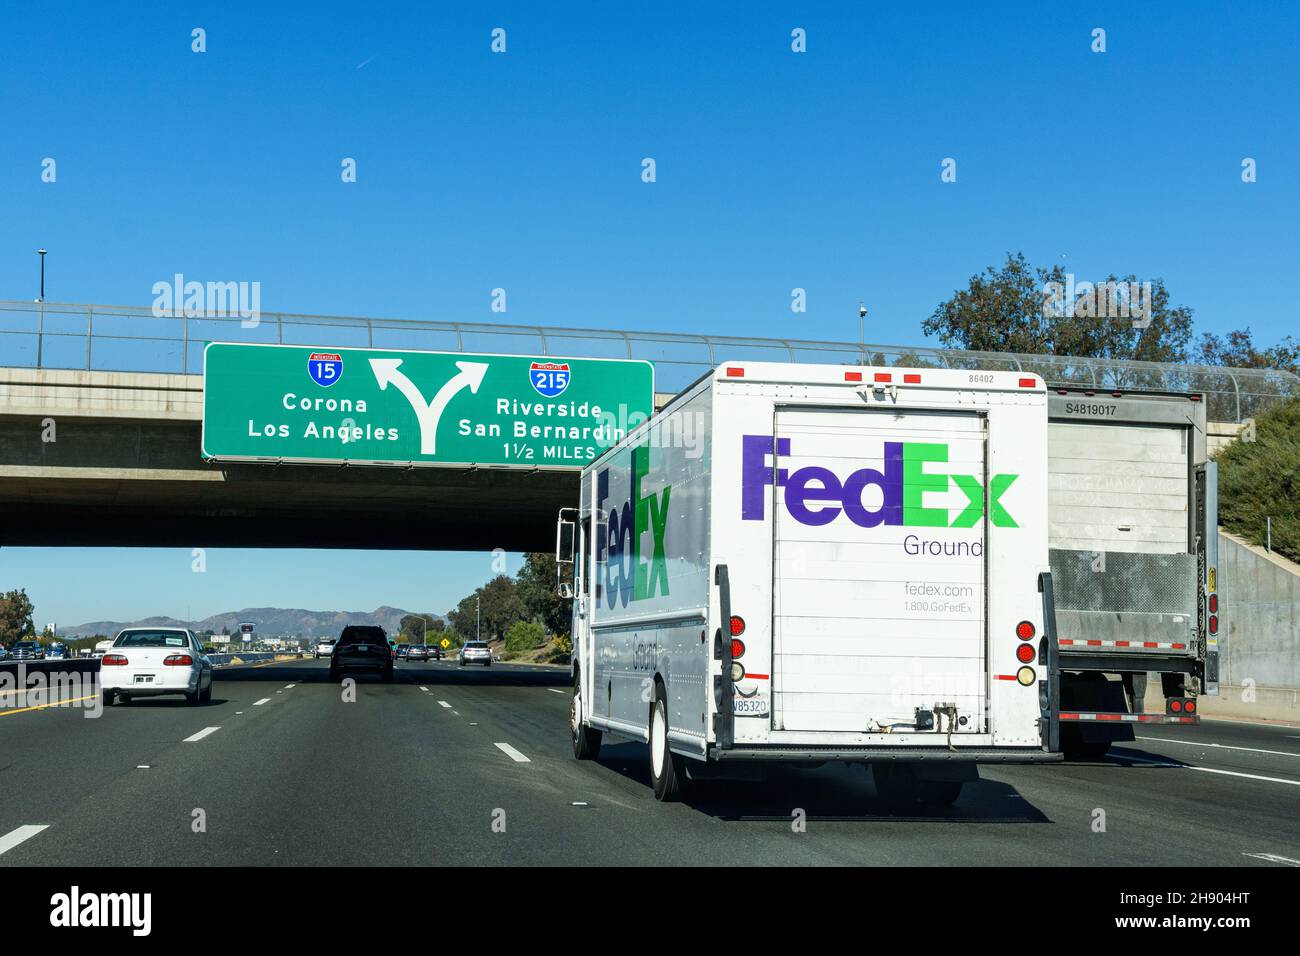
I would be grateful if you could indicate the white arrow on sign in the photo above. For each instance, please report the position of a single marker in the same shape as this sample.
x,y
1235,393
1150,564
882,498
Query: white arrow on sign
x,y
427,414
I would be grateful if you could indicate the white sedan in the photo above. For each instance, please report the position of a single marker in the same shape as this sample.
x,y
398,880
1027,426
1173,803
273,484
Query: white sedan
x,y
153,661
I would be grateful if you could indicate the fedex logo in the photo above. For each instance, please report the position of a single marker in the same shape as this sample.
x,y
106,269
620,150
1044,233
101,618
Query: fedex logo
x,y
817,496
628,576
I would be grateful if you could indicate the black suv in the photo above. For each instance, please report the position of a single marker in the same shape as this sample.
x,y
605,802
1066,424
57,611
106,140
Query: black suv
x,y
362,649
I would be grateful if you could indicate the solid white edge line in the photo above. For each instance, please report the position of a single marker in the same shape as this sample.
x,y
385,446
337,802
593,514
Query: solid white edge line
x,y
443,703
1274,858
20,835
1249,750
1188,766
512,753
259,703
554,691
200,735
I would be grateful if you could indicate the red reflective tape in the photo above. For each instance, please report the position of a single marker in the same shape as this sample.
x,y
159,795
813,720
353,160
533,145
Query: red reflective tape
x,y
1092,643
735,372
852,376
884,377
1179,647
1150,644
1110,716
1004,676
912,379
756,676
1028,382
1069,716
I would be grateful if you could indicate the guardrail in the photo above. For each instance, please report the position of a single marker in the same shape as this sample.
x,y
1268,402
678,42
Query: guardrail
x,y
134,339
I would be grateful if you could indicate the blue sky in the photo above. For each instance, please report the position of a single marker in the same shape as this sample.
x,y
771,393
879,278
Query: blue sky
x,y
521,170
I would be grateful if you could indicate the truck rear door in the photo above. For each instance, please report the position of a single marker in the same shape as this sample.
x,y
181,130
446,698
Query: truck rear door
x,y
1124,573
879,568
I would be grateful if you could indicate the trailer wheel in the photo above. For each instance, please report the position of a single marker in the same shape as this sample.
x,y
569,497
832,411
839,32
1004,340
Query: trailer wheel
x,y
586,741
896,786
939,793
666,770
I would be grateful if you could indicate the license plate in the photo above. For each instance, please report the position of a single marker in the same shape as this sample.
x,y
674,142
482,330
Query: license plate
x,y
362,648
750,706
144,678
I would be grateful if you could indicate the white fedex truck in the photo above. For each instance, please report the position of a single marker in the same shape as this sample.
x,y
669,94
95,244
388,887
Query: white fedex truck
x,y
813,562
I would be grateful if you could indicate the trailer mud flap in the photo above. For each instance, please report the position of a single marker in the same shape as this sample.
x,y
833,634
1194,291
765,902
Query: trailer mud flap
x,y
1049,657
724,719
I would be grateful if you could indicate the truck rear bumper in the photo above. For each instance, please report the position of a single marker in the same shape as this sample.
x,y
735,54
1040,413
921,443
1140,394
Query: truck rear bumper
x,y
1128,718
886,754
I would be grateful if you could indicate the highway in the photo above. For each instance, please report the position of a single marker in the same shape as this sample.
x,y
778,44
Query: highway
x,y
450,765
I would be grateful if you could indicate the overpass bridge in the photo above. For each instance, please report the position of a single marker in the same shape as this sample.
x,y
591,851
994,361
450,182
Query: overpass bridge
x,y
101,407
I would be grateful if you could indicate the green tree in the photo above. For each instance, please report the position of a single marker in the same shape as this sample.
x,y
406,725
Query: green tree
x,y
1238,350
1260,479
1013,309
537,582
524,636
500,605
16,616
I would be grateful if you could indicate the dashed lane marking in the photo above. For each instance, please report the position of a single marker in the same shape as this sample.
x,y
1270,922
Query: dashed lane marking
x,y
200,735
20,835
512,753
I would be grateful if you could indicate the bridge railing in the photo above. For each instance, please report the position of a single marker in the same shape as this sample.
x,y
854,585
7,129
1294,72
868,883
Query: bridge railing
x,y
134,339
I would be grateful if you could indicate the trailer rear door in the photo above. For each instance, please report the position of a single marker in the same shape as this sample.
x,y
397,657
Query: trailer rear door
x,y
872,621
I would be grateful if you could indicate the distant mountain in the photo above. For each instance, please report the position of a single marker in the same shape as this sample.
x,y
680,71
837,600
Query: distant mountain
x,y
270,621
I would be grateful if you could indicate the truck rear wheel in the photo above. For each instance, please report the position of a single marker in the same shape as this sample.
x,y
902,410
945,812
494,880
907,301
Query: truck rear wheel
x,y
586,741
666,770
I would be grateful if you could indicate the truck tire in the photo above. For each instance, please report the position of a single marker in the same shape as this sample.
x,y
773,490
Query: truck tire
x,y
586,741
896,786
666,770
939,793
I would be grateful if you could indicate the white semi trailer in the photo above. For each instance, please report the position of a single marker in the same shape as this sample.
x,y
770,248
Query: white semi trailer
x,y
807,563
1132,506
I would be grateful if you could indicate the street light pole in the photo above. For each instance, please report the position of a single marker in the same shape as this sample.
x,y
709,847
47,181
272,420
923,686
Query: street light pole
x,y
41,252
478,619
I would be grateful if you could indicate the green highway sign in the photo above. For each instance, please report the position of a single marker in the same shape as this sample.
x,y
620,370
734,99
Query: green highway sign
x,y
379,406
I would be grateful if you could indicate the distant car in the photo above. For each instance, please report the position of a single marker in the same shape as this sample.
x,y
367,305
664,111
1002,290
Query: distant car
x,y
364,649
56,652
102,648
403,650
324,647
475,652
155,661
27,651
435,652
417,652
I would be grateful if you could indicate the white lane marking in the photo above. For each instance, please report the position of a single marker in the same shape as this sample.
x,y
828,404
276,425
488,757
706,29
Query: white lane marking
x,y
15,837
1252,750
425,689
554,691
1274,858
259,703
200,735
443,703
512,753
290,686
1188,766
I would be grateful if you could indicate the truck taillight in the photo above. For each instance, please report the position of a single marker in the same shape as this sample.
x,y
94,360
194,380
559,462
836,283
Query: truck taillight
x,y
1214,604
178,660
110,660
1025,653
1025,630
737,671
1214,624
737,648
737,625
1189,707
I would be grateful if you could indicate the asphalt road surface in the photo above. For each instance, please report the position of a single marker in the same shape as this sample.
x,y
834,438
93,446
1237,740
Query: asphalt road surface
x,y
452,765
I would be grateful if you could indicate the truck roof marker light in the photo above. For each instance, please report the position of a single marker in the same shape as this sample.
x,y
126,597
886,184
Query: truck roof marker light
x,y
852,376
1195,398
1029,383
1025,653
737,625
912,378
883,377
1025,630
734,372
1026,676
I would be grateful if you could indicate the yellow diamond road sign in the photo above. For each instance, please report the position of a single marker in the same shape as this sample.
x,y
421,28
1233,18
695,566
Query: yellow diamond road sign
x,y
446,643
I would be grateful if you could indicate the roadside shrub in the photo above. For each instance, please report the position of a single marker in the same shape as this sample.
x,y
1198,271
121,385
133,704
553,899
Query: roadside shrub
x,y
524,636
1261,479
